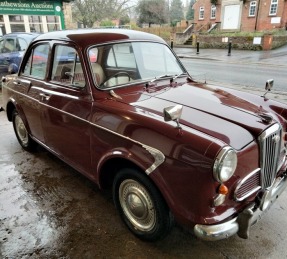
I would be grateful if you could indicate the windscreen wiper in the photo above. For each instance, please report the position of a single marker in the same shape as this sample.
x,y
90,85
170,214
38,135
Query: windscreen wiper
x,y
181,74
160,77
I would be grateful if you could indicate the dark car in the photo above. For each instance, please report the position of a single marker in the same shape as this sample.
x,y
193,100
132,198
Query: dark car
x,y
12,48
122,110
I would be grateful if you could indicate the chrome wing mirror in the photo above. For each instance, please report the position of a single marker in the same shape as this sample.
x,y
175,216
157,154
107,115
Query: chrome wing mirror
x,y
173,113
268,86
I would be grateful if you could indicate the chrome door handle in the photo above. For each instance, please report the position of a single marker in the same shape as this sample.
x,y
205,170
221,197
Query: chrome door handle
x,y
45,97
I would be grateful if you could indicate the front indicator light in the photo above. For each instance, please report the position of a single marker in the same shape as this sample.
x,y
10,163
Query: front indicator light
x,y
223,189
220,198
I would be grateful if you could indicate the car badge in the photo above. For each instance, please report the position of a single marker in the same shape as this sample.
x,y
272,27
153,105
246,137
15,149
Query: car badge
x,y
276,139
265,118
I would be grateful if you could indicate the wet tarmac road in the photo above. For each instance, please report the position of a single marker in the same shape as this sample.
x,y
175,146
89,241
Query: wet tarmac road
x,y
48,210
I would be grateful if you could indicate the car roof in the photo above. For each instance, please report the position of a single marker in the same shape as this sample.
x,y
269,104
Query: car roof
x,y
87,37
26,35
21,33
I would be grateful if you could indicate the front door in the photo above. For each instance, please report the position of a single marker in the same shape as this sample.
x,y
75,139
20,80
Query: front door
x,y
231,17
67,109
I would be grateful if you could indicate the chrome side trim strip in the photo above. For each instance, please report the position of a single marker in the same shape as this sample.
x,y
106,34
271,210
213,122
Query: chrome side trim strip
x,y
157,154
158,157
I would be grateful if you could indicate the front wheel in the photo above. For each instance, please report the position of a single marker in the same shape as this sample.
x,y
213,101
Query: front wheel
x,y
21,132
141,206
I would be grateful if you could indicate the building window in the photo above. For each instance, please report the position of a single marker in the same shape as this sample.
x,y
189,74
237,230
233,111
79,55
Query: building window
x,y
201,13
213,12
53,23
16,18
252,8
17,23
35,23
273,7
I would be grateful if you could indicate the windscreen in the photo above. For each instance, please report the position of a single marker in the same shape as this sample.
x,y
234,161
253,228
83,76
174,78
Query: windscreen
x,y
122,63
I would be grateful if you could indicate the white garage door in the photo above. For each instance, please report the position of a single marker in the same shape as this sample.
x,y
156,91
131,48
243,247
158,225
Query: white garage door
x,y
231,17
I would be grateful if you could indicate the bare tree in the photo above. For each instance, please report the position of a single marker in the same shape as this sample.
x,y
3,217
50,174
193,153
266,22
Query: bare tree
x,y
88,12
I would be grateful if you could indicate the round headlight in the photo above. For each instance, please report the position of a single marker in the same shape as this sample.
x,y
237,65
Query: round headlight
x,y
225,164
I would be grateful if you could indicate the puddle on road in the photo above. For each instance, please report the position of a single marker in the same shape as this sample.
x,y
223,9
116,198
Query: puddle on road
x,y
25,227
48,209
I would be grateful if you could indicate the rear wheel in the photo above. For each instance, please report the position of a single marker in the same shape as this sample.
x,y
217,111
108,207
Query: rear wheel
x,y
141,206
21,132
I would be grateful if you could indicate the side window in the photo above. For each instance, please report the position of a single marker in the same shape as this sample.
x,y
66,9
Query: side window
x,y
21,44
9,46
36,65
121,55
67,68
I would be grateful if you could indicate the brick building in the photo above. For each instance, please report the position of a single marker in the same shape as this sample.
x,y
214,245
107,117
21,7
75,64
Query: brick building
x,y
237,15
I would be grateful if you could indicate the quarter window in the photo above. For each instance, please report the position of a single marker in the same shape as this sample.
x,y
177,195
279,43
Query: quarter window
x,y
273,7
213,12
252,8
201,13
37,62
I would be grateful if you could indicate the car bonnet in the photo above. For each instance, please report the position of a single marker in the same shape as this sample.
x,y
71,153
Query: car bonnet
x,y
210,110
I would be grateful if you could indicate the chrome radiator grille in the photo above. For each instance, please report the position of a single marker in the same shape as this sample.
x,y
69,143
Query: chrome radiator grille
x,y
248,185
270,145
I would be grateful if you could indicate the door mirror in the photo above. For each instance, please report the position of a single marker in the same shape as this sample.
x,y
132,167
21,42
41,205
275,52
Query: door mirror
x,y
13,69
269,84
173,113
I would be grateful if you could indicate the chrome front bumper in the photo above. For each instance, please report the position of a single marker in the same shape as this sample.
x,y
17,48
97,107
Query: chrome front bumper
x,y
241,224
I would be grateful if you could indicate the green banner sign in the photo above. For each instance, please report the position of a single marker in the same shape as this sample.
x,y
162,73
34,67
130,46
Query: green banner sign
x,y
31,7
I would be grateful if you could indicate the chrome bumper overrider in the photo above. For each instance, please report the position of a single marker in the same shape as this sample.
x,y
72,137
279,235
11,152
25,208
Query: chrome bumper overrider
x,y
241,224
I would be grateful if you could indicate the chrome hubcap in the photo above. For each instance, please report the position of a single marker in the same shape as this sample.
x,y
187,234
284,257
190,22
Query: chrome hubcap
x,y
137,205
21,130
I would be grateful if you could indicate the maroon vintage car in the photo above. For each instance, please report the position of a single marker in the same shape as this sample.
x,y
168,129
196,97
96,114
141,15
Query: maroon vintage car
x,y
119,106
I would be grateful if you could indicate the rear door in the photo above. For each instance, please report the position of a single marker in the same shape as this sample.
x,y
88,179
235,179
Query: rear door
x,y
31,81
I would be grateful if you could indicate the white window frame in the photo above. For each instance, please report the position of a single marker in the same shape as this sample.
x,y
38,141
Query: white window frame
x,y
201,13
273,7
213,12
252,8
